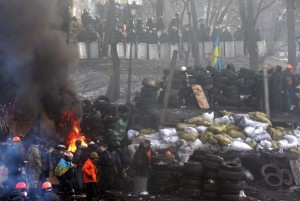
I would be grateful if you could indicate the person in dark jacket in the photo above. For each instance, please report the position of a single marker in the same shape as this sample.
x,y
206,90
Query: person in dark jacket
x,y
239,34
150,23
276,88
86,18
164,38
19,193
47,193
141,162
153,37
78,160
174,36
160,25
226,35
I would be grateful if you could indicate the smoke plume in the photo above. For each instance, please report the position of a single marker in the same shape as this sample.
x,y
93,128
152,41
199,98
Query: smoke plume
x,y
35,56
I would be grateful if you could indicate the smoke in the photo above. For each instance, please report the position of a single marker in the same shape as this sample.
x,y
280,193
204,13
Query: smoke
x,y
35,56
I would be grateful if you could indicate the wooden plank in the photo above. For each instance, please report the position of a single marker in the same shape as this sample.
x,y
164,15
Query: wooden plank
x,y
168,89
200,96
295,167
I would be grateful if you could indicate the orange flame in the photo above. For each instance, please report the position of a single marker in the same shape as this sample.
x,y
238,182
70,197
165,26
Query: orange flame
x,y
74,134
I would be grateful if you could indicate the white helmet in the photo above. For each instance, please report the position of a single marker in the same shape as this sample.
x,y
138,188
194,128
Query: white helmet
x,y
183,68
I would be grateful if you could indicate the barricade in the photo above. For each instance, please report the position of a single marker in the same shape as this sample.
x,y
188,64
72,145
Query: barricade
x,y
208,48
164,51
173,47
142,51
229,49
94,50
121,50
153,51
128,50
222,48
82,51
262,48
239,48
201,50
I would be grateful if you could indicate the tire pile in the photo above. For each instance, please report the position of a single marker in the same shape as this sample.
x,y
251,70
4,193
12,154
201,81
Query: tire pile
x,y
176,177
161,173
231,180
274,177
148,95
210,185
191,180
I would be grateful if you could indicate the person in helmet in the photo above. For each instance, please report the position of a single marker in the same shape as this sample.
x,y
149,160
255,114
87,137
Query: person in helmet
x,y
89,171
20,192
64,173
47,193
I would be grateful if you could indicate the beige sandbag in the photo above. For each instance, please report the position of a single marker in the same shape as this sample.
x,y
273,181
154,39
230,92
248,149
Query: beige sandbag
x,y
222,140
279,128
233,127
271,130
227,136
212,140
261,117
203,138
251,143
278,135
236,134
225,112
182,126
275,145
206,123
189,136
194,120
147,131
207,132
217,129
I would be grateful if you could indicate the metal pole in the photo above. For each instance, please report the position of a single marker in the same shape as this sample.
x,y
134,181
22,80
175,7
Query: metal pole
x,y
266,90
130,66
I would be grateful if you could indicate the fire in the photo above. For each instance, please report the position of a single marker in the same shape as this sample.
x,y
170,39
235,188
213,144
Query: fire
x,y
74,133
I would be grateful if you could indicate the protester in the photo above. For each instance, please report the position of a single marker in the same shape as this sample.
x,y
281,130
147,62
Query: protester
x,y
89,170
141,163
20,192
47,193
78,161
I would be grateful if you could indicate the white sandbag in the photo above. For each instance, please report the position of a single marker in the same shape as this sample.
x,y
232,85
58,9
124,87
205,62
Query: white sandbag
x,y
208,116
240,116
171,139
132,133
183,158
165,145
258,131
239,146
264,136
166,132
255,124
142,51
196,145
212,147
249,140
181,143
288,142
153,136
165,51
222,120
153,51
186,150
267,145
132,149
249,131
155,144
201,129
231,120
82,51
190,130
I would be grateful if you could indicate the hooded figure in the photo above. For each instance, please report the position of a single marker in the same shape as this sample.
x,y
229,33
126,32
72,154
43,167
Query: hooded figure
x,y
47,193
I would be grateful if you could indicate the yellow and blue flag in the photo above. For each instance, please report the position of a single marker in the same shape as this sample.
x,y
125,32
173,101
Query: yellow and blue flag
x,y
216,57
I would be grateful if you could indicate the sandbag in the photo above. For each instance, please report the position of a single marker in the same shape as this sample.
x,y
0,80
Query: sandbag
x,y
181,143
222,140
190,130
166,132
182,126
212,140
194,120
131,134
236,134
153,136
147,131
239,146
262,137
288,142
238,117
166,145
245,122
189,136
196,145
212,147
275,145
208,116
264,145
222,120
250,142
233,127
225,112
261,117
249,131
201,129
206,123
218,129
171,139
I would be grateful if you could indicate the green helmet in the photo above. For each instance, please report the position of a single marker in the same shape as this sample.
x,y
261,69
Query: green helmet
x,y
94,155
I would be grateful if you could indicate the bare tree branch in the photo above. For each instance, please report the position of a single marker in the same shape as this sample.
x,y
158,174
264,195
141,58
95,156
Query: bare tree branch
x,y
261,8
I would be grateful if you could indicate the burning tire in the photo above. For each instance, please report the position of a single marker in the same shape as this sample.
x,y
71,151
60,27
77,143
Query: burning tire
x,y
287,177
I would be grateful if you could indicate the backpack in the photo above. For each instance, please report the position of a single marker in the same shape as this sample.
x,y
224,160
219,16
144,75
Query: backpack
x,y
110,158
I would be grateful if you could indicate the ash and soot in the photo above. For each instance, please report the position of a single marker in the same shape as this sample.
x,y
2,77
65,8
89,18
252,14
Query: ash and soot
x,y
35,56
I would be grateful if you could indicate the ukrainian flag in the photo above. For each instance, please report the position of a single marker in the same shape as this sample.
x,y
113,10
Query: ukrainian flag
x,y
216,57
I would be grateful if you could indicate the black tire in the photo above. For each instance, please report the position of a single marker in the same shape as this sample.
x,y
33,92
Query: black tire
x,y
230,197
207,87
210,195
247,71
230,88
210,174
233,185
177,86
222,79
287,177
212,70
161,159
210,187
149,82
196,158
234,176
231,93
273,181
123,110
159,182
220,85
214,158
229,191
231,167
193,166
211,165
237,82
269,168
178,81
177,168
206,82
193,173
161,167
189,182
189,192
159,189
136,119
231,75
250,82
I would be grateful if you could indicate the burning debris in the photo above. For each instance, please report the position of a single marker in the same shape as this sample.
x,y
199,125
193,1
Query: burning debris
x,y
35,56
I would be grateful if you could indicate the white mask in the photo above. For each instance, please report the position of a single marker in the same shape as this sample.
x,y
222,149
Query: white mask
x,y
25,193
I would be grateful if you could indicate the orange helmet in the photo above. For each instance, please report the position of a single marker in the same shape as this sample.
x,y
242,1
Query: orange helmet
x,y
168,153
16,139
46,185
21,185
289,66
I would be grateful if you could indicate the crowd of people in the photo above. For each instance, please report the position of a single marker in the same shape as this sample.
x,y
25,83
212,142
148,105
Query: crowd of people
x,y
89,171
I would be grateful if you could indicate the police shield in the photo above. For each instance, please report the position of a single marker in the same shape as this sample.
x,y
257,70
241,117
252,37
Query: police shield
x,y
121,50
239,48
142,51
229,49
153,51
94,50
82,53
165,51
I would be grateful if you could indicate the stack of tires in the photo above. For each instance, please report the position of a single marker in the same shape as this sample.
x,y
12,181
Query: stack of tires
x,y
231,180
205,79
210,183
176,177
191,180
248,81
161,173
274,178
148,95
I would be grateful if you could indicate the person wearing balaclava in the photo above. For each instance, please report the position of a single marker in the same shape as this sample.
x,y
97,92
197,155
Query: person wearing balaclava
x,y
19,193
